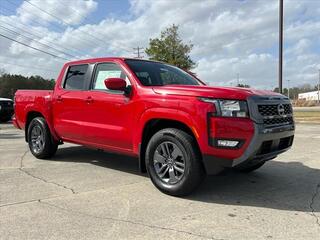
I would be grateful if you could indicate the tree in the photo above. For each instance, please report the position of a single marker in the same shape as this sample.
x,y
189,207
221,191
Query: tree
x,y
10,83
243,85
169,48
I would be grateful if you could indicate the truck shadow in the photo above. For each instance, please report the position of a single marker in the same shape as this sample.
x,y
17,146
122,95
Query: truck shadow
x,y
290,186
100,158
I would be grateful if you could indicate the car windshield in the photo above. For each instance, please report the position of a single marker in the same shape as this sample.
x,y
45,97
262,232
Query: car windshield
x,y
160,74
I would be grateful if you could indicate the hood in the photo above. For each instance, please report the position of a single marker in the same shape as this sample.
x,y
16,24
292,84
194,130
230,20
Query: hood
x,y
214,92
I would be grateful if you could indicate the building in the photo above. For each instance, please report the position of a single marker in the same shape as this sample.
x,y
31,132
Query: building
x,y
309,96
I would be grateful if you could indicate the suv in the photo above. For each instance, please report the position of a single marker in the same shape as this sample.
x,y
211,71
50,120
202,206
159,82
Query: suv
x,y
179,128
6,109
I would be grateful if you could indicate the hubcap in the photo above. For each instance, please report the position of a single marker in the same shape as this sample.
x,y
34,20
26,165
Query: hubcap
x,y
169,162
37,139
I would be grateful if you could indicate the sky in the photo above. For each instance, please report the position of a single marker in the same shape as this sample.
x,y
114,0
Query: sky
x,y
230,37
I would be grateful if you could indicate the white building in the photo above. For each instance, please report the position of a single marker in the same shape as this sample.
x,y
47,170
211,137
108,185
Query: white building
x,y
309,96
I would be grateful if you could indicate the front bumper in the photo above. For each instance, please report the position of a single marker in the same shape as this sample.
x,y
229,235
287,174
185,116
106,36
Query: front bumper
x,y
265,145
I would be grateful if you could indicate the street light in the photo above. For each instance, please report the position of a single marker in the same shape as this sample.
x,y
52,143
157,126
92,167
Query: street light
x,y
280,43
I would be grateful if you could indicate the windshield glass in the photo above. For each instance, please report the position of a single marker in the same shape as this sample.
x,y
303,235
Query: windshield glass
x,y
160,74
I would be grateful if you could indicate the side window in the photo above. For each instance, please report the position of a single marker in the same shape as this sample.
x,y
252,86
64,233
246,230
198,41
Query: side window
x,y
75,78
107,70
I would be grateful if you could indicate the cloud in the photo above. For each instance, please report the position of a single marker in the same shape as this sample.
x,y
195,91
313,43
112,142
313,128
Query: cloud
x,y
229,37
70,12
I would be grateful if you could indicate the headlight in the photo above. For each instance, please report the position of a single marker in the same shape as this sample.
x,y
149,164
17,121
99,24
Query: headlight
x,y
229,108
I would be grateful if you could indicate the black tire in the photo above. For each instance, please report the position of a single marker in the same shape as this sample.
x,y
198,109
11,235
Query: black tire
x,y
249,168
48,145
193,173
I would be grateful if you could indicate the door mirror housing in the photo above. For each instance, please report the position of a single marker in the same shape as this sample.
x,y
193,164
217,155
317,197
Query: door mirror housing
x,y
117,84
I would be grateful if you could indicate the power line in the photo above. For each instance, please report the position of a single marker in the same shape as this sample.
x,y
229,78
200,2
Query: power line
x,y
26,66
38,35
63,21
31,39
68,24
34,48
56,26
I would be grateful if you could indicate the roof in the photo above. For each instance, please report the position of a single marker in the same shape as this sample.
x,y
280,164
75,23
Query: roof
x,y
93,60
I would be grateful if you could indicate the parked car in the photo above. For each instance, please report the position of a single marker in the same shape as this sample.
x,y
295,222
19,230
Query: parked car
x,y
6,109
179,128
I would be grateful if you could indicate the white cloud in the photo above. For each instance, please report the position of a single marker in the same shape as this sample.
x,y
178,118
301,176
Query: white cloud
x,y
229,37
70,12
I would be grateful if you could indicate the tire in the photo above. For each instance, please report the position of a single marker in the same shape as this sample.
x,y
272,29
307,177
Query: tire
x,y
41,143
249,168
183,155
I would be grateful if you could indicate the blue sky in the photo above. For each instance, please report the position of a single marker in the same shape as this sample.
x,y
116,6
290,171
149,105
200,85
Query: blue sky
x,y
229,37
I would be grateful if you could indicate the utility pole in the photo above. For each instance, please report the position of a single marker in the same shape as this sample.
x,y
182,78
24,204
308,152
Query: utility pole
x,y
280,44
319,88
238,81
138,51
288,88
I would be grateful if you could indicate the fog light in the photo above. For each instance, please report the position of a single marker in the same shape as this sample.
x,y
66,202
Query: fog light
x,y
227,143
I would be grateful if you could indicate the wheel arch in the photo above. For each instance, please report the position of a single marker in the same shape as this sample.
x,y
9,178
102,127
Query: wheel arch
x,y
33,114
156,124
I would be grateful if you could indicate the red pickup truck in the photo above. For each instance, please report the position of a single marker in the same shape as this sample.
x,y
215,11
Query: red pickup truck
x,y
179,128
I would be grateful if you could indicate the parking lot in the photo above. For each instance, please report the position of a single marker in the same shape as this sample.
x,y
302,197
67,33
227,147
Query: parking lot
x,y
88,194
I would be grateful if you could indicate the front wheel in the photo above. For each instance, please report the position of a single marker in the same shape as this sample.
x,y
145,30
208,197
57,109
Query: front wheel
x,y
40,141
174,162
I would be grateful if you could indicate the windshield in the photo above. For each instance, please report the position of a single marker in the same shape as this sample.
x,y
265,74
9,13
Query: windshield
x,y
160,74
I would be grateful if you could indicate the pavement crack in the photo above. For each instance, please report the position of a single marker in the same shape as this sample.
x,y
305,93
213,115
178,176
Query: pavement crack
x,y
22,169
131,222
316,192
22,158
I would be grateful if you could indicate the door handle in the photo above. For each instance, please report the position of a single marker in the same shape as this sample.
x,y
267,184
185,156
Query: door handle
x,y
59,99
89,100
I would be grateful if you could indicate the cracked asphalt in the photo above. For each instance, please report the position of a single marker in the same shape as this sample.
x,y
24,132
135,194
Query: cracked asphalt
x,y
88,194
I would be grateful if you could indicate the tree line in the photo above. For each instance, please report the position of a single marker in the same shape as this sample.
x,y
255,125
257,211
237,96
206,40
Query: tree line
x,y
294,91
10,83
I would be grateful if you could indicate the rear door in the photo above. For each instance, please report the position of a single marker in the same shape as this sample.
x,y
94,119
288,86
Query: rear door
x,y
69,102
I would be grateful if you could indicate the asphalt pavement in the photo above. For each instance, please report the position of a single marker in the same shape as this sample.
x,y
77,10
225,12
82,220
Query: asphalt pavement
x,y
88,194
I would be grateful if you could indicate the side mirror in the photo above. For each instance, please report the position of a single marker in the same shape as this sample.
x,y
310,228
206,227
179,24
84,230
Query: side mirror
x,y
115,84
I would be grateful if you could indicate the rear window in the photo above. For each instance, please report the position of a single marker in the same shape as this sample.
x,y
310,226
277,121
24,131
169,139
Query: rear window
x,y
75,78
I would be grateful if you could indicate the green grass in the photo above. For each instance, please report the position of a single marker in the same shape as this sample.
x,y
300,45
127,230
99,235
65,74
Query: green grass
x,y
307,116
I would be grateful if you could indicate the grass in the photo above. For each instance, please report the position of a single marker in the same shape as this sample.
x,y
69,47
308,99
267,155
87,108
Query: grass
x,y
307,116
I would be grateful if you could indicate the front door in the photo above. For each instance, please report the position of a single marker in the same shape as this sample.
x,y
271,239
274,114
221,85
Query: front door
x,y
108,113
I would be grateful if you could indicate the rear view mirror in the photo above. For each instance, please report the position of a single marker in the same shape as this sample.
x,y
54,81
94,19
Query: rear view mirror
x,y
115,84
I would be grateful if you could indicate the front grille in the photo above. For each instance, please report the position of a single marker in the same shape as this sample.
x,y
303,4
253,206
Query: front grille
x,y
272,110
278,121
6,105
276,114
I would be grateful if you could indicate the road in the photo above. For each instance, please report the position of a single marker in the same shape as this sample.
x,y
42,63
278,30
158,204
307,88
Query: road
x,y
87,194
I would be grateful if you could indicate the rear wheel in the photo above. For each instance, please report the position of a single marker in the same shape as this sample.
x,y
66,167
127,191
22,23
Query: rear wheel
x,y
40,141
173,162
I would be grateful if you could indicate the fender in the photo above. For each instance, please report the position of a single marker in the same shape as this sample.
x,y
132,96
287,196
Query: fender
x,y
43,105
167,114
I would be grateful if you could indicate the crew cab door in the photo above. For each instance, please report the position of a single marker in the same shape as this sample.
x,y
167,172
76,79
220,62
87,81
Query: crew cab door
x,y
108,113
69,102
